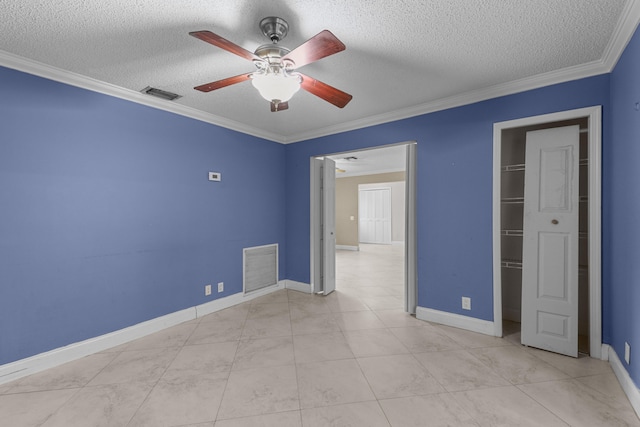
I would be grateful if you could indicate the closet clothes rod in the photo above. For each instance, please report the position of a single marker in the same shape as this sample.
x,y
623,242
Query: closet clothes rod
x,y
511,200
517,264
518,167
520,200
519,233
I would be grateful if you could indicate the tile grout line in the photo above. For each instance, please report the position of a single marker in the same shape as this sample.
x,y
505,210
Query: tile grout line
x,y
235,354
133,416
295,362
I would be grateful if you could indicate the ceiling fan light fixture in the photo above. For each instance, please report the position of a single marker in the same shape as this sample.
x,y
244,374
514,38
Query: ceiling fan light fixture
x,y
274,87
276,78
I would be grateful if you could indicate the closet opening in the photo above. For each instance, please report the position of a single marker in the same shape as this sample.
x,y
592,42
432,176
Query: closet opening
x,y
510,230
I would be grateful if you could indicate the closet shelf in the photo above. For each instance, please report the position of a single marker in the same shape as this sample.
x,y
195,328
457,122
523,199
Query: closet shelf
x,y
517,263
520,200
512,200
512,263
517,167
512,168
519,233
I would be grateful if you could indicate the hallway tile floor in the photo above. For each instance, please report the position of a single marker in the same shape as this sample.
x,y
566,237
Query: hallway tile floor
x,y
352,358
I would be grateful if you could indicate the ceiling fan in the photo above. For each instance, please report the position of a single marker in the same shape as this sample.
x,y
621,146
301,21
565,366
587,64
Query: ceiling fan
x,y
276,77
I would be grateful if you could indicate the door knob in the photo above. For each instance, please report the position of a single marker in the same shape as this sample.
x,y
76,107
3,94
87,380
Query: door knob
x,y
554,221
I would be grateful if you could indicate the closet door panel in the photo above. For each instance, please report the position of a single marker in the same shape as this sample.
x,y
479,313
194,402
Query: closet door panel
x,y
550,242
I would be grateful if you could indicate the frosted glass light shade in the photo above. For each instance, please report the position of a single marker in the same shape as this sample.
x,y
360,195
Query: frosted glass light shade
x,y
276,86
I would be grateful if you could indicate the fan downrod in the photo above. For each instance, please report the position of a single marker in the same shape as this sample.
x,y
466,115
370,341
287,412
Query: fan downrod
x,y
275,28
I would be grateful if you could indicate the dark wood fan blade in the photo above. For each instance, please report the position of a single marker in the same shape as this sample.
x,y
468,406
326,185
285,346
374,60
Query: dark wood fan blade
x,y
324,91
279,107
317,47
225,44
223,83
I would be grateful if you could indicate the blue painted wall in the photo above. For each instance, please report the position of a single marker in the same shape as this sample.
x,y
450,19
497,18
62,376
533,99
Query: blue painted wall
x,y
107,217
455,164
621,197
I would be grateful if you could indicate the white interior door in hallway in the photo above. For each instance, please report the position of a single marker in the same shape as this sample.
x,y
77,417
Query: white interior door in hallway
x,y
323,225
374,213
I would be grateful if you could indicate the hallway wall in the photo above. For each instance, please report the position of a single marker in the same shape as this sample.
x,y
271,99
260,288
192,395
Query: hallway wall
x,y
347,205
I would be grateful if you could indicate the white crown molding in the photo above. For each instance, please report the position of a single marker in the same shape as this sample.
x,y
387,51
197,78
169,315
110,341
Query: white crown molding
x,y
528,83
40,69
623,32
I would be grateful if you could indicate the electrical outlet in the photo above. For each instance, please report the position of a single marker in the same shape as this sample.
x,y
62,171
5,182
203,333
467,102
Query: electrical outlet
x,y
207,290
220,286
627,352
466,303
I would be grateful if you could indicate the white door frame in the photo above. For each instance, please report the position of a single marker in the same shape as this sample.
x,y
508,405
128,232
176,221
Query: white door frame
x,y
411,253
594,115
411,231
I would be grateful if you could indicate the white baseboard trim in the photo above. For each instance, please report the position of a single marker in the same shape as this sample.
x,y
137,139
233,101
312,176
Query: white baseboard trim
x,y
347,248
398,242
235,299
50,359
604,352
297,286
456,320
627,384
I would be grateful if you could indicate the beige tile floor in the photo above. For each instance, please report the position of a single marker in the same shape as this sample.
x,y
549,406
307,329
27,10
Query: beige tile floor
x,y
352,358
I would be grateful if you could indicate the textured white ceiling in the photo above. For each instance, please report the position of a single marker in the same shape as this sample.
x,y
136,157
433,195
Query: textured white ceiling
x,y
403,57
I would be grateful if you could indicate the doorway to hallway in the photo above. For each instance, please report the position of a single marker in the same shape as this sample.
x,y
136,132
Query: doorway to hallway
x,y
339,221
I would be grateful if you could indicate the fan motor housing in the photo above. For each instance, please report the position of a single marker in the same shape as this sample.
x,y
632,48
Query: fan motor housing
x,y
271,51
272,55
275,28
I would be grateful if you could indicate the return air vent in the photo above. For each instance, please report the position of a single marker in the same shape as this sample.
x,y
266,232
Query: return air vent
x,y
159,93
260,267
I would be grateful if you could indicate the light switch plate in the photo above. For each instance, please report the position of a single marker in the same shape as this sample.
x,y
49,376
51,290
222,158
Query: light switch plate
x,y
215,176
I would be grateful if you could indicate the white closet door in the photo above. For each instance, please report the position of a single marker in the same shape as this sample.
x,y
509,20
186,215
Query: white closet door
x,y
374,208
550,245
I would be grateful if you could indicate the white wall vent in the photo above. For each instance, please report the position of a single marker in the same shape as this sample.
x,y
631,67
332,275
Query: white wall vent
x,y
259,267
